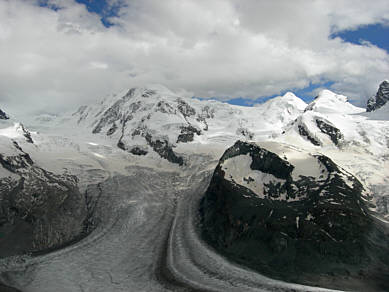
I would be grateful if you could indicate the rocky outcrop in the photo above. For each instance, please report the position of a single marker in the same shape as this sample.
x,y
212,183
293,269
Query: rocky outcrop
x,y
330,130
380,99
306,229
138,151
39,210
3,115
187,134
304,133
164,149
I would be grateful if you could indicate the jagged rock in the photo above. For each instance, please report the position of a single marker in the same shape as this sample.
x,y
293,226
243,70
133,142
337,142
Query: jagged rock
x,y
164,149
187,134
27,134
330,130
309,229
303,132
3,115
380,99
185,109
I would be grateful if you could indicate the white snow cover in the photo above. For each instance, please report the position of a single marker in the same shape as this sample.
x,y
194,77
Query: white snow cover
x,y
380,114
237,169
328,102
66,143
13,132
219,122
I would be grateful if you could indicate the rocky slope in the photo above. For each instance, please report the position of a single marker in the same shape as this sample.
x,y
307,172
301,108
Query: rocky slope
x,y
380,99
3,115
295,216
39,210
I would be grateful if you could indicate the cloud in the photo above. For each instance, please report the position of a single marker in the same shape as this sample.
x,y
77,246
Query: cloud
x,y
54,60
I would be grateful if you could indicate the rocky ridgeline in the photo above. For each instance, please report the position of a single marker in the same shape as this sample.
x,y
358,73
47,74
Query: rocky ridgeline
x,y
313,230
380,99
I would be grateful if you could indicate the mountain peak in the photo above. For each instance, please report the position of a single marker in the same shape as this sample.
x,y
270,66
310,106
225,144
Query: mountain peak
x,y
380,99
330,102
328,94
287,100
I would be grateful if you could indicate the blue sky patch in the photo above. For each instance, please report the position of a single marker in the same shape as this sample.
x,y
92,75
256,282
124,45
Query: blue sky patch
x,y
100,7
376,34
307,94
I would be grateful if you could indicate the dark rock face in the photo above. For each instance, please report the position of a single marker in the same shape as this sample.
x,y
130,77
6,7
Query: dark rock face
x,y
164,149
331,131
3,115
380,99
112,130
39,210
138,151
187,134
27,134
322,234
160,145
303,132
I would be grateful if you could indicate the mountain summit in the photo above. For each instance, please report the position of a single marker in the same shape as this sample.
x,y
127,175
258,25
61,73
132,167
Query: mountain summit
x,y
380,99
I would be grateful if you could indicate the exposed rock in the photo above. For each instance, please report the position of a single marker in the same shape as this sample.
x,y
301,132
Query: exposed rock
x,y
112,130
3,115
164,149
187,134
185,109
26,134
39,210
330,130
164,107
310,230
138,151
115,112
380,99
303,132
245,133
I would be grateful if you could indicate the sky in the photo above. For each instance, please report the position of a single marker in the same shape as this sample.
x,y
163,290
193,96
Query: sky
x,y
58,54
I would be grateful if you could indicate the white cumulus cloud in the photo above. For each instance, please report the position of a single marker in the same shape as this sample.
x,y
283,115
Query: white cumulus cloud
x,y
54,60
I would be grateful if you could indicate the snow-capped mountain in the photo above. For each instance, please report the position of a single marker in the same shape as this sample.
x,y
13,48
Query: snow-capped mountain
x,y
334,127
281,110
380,99
143,120
306,189
156,123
